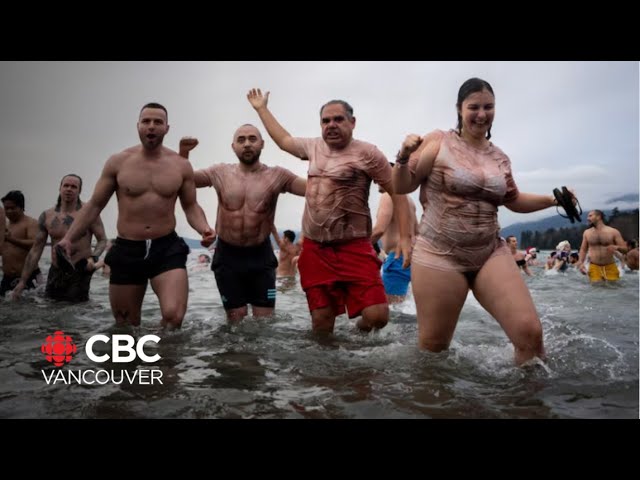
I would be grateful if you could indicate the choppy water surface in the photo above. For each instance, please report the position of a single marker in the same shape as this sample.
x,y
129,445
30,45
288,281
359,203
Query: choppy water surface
x,y
277,369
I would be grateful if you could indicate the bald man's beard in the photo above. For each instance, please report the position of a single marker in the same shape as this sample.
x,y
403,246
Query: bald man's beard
x,y
249,160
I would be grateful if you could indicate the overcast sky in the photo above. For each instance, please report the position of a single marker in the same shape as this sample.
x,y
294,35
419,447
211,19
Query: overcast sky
x,y
561,123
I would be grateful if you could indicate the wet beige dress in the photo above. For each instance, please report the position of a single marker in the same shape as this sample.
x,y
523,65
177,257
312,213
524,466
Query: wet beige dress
x,y
459,229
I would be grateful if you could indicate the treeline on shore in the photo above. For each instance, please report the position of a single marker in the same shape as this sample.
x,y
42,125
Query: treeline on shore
x,y
626,222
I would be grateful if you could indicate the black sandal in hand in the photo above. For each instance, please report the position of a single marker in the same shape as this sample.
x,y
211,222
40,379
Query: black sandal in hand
x,y
565,199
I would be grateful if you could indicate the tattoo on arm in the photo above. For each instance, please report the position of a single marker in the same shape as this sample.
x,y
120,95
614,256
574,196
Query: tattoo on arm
x,y
42,222
29,264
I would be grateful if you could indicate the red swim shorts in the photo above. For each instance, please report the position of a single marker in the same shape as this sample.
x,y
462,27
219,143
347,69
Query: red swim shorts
x,y
341,275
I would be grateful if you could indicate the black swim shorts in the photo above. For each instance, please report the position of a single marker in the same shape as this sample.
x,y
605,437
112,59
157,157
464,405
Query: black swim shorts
x,y
245,275
134,262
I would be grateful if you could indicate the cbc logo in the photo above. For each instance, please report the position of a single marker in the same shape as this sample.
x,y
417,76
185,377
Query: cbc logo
x,y
122,348
60,348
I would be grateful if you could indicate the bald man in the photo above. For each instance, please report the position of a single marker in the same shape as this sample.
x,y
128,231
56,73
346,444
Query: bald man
x,y
244,263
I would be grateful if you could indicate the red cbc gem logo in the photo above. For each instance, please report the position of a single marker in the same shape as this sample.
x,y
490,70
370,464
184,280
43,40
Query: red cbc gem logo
x,y
59,348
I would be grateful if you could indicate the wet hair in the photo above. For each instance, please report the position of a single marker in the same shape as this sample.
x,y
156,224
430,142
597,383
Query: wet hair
x,y
348,108
16,197
510,236
290,235
473,85
156,105
79,202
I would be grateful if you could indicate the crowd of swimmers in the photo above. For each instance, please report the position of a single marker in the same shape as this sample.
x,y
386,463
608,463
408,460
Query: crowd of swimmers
x,y
462,177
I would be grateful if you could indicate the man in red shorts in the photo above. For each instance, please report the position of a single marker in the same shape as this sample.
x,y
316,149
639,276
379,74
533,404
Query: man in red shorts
x,y
338,266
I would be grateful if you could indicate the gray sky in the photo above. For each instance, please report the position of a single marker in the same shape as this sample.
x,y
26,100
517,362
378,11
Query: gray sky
x,y
561,123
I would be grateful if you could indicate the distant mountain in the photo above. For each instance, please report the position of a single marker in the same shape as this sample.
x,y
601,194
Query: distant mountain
x,y
516,229
541,225
555,222
629,197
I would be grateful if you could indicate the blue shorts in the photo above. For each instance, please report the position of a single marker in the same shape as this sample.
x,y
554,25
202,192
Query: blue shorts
x,y
395,278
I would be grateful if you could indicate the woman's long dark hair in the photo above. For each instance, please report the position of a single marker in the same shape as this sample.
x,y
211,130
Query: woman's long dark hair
x,y
472,85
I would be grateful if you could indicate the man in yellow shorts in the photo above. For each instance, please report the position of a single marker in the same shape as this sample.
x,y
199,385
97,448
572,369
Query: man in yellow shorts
x,y
599,242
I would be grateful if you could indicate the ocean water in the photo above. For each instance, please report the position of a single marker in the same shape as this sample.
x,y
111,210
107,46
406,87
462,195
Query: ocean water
x,y
276,368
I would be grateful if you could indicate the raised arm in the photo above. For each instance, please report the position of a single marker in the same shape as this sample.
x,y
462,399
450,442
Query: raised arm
x,y
33,257
426,150
276,131
200,176
186,145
